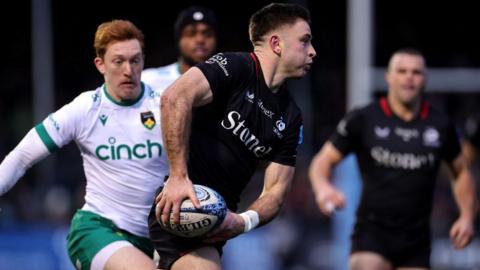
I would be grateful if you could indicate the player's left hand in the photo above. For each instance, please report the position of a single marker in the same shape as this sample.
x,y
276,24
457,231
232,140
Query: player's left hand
x,y
462,232
231,226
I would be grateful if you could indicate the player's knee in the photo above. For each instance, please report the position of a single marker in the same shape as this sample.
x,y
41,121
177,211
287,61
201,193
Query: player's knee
x,y
368,261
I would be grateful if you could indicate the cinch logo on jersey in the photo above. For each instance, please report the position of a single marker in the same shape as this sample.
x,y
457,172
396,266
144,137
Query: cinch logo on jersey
x,y
220,60
406,161
145,150
153,94
244,134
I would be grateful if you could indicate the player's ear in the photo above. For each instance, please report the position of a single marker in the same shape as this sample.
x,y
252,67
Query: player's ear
x,y
274,42
99,64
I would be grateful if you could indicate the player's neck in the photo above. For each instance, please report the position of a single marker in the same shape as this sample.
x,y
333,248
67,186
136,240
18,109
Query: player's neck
x,y
404,111
270,69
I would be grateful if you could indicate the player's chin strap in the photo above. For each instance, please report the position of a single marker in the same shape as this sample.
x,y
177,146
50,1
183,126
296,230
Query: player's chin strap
x,y
251,220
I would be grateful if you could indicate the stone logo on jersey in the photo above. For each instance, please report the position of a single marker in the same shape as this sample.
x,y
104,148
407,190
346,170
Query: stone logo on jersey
x,y
114,151
148,120
431,137
236,125
396,160
221,61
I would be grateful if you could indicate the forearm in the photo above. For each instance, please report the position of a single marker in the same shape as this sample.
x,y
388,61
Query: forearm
x,y
464,193
278,179
29,151
320,171
190,90
176,119
320,174
267,206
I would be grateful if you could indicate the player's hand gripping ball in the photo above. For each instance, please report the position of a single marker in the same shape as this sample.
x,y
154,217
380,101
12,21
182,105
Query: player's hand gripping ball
x,y
197,222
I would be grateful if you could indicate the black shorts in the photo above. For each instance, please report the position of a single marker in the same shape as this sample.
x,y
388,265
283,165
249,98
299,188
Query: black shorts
x,y
171,247
402,247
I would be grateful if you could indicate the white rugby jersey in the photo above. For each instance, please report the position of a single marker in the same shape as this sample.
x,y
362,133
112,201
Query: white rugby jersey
x,y
162,77
122,150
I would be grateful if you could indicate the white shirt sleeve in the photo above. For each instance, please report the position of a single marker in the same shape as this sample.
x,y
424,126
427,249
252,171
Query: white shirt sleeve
x,y
28,152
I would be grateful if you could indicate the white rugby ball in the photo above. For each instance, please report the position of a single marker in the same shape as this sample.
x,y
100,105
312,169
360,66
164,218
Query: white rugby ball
x,y
197,222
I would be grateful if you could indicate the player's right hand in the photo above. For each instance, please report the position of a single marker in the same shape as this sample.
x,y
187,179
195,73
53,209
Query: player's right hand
x,y
329,199
175,190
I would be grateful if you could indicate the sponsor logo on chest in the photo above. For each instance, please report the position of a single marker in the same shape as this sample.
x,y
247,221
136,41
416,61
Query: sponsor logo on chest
x,y
122,151
382,132
236,125
431,137
250,97
406,133
221,61
401,160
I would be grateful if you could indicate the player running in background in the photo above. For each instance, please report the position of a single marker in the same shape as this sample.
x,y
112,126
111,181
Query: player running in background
x,y
399,142
242,116
117,130
196,37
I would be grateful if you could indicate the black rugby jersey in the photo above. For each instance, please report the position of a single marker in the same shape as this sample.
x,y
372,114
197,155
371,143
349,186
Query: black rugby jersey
x,y
244,124
398,160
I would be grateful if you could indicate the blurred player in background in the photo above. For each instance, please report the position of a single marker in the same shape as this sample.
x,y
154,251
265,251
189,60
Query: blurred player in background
x,y
471,144
399,141
196,36
223,118
116,128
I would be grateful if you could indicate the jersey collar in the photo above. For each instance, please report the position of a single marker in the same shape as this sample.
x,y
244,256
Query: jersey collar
x,y
124,102
389,113
257,64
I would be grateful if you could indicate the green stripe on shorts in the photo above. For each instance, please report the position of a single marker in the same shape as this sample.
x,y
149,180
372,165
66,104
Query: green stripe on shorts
x,y
89,233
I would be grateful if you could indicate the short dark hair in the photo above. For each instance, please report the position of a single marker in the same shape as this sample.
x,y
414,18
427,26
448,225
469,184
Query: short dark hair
x,y
191,15
274,16
409,51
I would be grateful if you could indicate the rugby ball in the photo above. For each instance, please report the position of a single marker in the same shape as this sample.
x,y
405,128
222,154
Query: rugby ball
x,y
197,222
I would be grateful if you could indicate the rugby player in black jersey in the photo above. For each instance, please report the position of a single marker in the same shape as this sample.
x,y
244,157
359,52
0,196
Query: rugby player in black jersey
x,y
471,142
399,141
221,119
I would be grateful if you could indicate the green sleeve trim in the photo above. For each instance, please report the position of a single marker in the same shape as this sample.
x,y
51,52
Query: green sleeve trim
x,y
47,140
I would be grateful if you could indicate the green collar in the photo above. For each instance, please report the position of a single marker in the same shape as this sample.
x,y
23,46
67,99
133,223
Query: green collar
x,y
124,102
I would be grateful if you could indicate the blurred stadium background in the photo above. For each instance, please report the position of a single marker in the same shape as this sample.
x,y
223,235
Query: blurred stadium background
x,y
48,50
